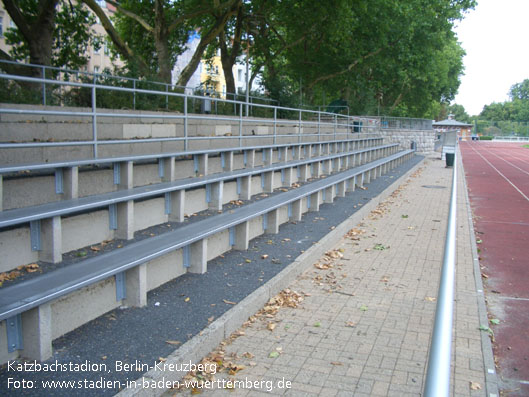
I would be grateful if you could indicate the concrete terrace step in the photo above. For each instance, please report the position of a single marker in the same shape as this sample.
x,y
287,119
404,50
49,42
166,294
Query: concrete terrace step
x,y
65,207
62,226
27,306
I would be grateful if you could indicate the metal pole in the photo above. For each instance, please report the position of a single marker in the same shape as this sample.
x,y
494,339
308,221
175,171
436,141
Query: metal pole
x,y
44,86
299,127
438,374
275,126
134,94
240,125
185,121
335,121
94,118
319,121
247,80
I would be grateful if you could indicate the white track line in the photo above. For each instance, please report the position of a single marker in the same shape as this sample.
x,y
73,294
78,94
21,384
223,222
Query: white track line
x,y
508,162
503,176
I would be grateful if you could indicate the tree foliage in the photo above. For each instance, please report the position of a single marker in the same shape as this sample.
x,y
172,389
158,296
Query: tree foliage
x,y
517,109
379,56
51,32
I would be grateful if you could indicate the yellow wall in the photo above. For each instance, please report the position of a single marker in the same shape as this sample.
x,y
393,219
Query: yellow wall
x,y
214,75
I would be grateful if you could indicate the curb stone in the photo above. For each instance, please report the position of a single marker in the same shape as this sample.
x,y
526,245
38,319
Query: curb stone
x,y
491,377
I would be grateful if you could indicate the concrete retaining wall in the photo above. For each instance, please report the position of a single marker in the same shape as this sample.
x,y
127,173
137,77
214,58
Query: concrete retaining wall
x,y
25,128
423,138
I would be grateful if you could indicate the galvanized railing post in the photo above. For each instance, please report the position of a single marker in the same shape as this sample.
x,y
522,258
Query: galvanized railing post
x,y
134,94
275,125
319,121
335,122
438,374
44,86
186,147
299,127
240,125
94,117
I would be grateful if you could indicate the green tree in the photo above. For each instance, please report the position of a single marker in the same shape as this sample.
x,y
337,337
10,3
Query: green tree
x,y
399,57
520,91
152,33
49,32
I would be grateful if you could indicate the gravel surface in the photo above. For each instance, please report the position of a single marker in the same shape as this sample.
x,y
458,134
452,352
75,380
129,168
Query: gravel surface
x,y
179,309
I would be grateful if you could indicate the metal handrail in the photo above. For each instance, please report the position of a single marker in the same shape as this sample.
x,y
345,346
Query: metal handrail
x,y
94,113
135,81
438,374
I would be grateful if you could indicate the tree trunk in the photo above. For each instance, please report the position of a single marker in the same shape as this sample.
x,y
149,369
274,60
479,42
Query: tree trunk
x,y
161,35
204,42
227,57
38,35
121,45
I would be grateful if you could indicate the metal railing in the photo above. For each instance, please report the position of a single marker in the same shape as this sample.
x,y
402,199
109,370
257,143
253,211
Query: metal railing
x,y
511,139
404,123
48,72
438,374
335,125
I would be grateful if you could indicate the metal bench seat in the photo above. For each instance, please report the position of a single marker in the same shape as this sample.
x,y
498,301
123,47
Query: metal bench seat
x,y
49,286
68,207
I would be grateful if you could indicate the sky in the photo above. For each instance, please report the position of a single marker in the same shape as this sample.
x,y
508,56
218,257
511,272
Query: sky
x,y
495,37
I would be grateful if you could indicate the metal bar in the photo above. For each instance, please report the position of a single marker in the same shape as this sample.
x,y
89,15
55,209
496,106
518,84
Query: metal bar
x,y
275,125
232,236
134,94
113,216
167,198
438,374
121,286
14,333
94,120
59,181
34,234
186,256
117,173
44,86
186,147
240,126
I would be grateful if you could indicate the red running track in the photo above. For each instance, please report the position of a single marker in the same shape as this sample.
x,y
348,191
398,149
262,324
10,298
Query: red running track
x,y
498,185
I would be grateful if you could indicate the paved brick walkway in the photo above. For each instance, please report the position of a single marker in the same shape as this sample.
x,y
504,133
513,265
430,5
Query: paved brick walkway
x,y
364,323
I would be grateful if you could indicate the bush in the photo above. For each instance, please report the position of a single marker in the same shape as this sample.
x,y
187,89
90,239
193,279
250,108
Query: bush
x,y
486,138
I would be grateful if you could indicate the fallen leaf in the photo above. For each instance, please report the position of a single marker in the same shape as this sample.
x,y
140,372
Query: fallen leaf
x,y
430,299
32,268
96,249
173,342
265,256
350,324
363,308
248,355
273,355
229,302
336,363
475,386
495,321
162,359
317,324
187,299
271,326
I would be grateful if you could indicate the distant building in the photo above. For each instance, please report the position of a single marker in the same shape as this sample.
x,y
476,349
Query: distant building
x,y
209,75
464,131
